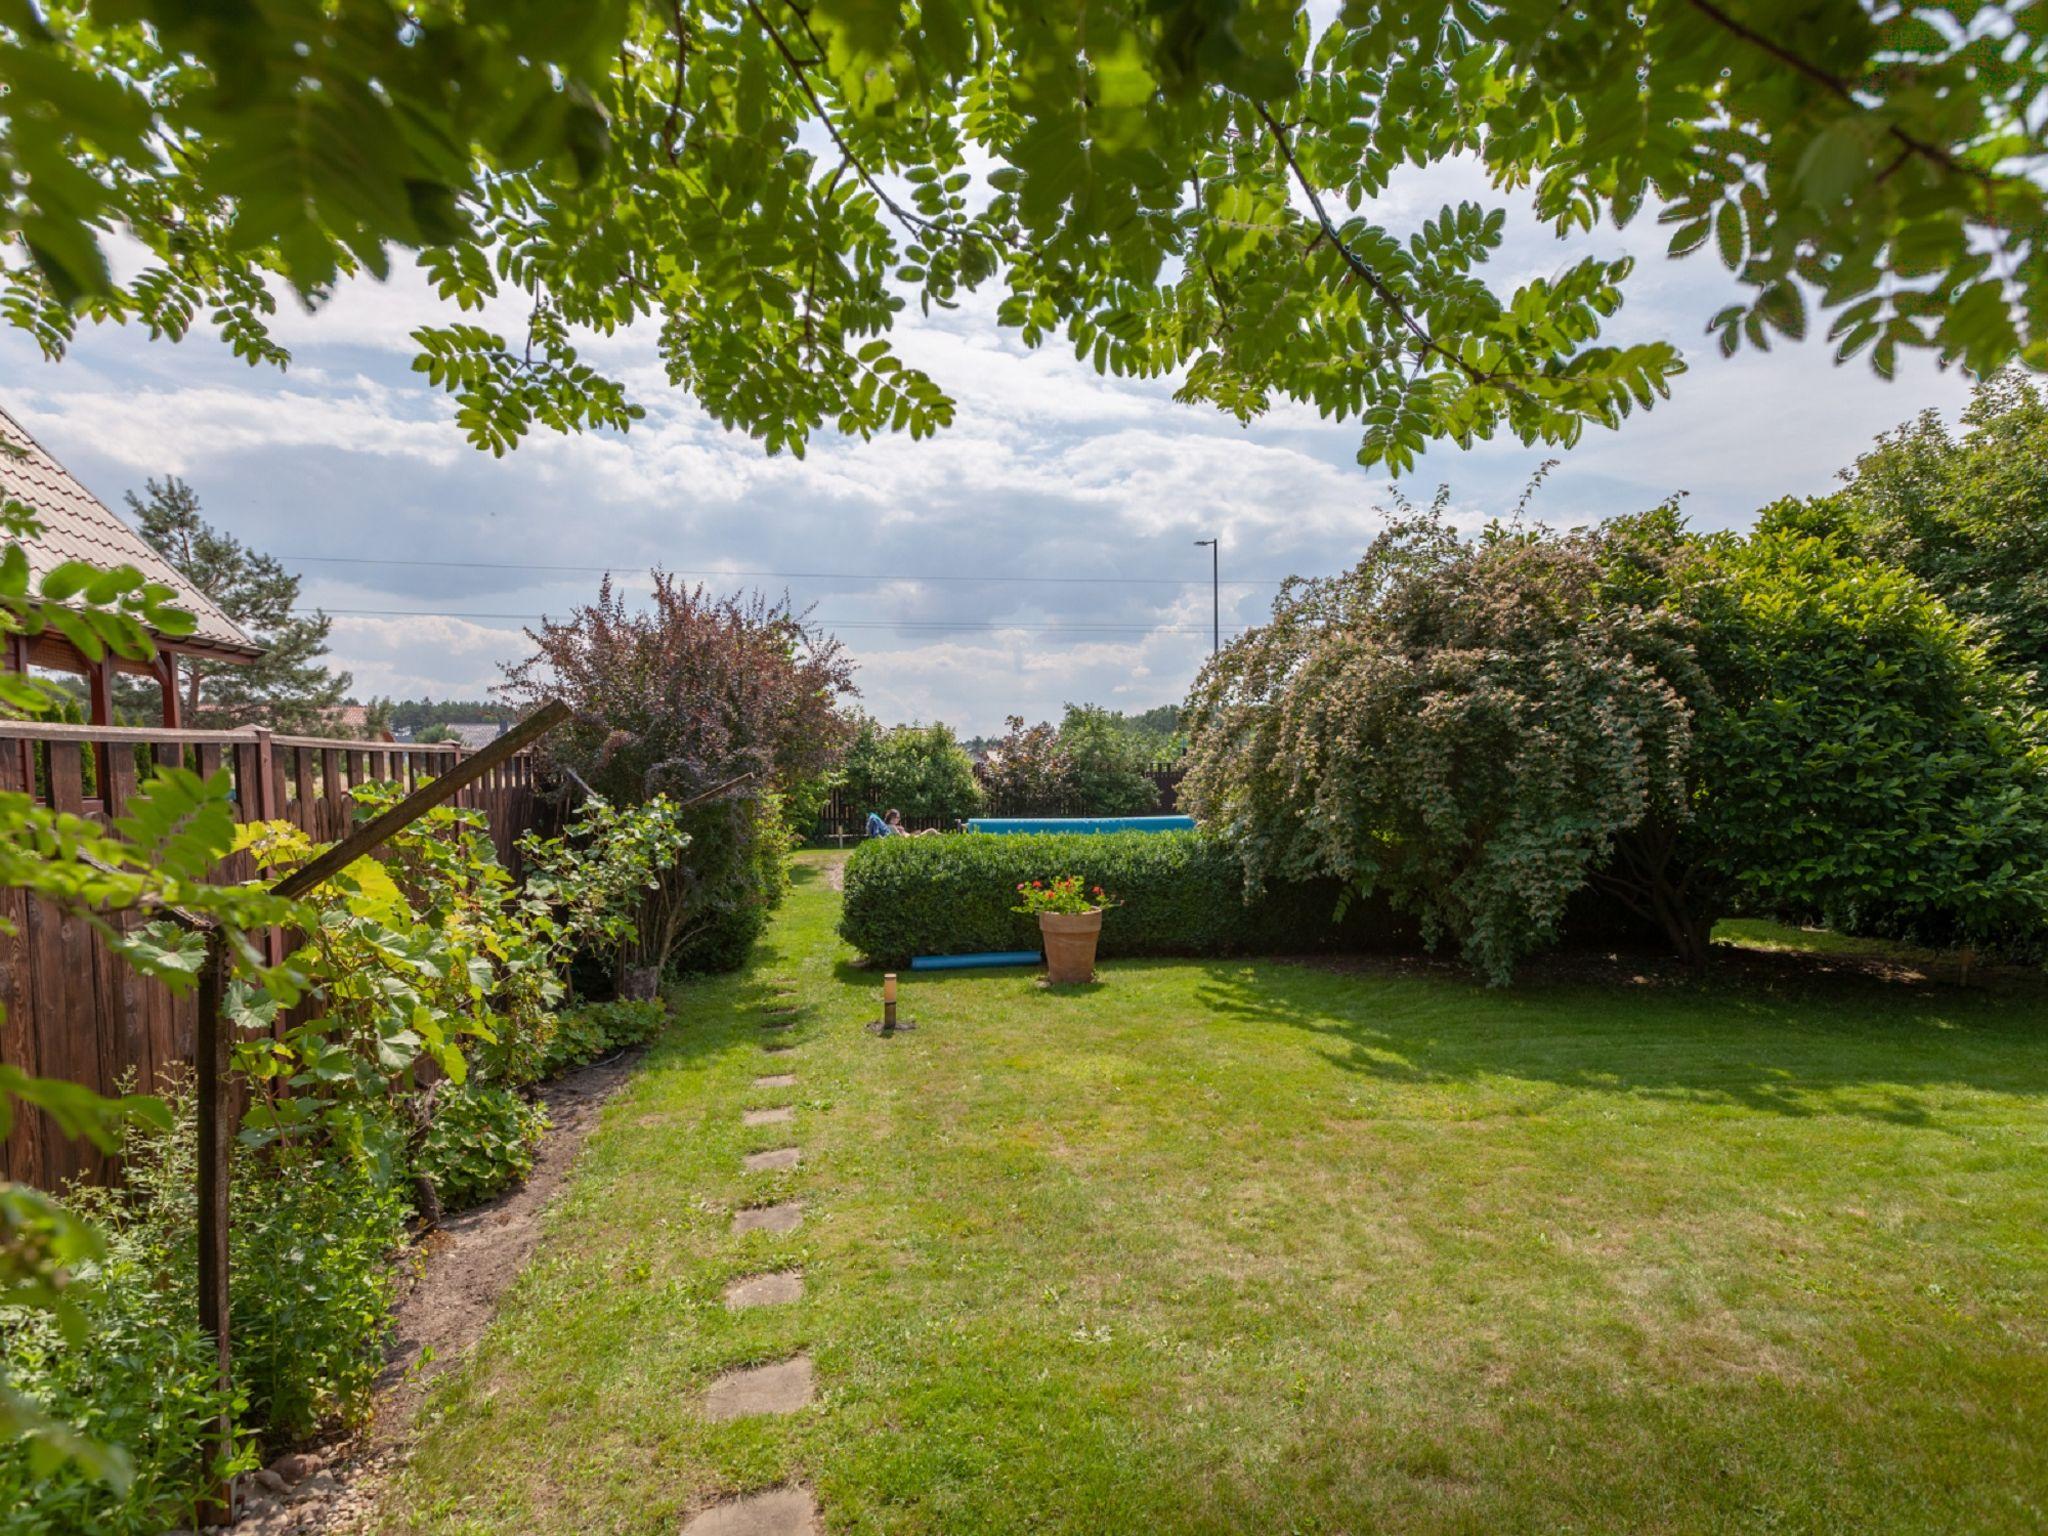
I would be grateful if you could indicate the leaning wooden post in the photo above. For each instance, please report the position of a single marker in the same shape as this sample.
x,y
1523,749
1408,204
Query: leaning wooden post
x,y
434,792
211,1049
215,1042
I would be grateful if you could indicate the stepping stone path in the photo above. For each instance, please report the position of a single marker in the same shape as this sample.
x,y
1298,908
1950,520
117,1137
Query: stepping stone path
x,y
784,1217
778,1512
780,1388
776,1290
786,1386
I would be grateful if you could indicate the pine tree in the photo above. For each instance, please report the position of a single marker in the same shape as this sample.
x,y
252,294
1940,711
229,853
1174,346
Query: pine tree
x,y
289,688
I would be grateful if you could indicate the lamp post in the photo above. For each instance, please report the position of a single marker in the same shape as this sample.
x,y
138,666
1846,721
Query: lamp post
x,y
1215,588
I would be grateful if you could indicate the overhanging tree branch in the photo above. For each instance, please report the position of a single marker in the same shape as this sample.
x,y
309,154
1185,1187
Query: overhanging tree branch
x,y
1836,86
1363,270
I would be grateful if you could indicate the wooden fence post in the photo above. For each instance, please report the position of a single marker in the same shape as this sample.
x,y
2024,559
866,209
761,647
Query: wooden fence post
x,y
214,1034
211,1051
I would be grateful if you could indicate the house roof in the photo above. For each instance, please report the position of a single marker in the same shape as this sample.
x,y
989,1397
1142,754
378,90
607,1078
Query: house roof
x,y
355,719
476,735
77,525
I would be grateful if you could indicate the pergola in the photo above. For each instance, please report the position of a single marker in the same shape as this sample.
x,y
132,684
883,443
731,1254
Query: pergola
x,y
77,525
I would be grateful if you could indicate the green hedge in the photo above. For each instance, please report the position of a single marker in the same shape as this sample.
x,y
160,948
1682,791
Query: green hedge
x,y
1182,893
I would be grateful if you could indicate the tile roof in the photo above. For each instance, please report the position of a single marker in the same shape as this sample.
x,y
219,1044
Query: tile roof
x,y
475,736
77,525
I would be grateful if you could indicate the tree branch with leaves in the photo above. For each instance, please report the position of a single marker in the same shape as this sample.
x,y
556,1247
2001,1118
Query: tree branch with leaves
x,y
620,162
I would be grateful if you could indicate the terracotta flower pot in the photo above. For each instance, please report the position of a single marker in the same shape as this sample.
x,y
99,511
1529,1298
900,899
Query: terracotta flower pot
x,y
1070,939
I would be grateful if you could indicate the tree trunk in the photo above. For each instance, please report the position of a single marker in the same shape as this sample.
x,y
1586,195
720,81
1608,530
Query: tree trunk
x,y
1683,907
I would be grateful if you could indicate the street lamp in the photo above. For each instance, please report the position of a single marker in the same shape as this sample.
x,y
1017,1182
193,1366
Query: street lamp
x,y
1215,588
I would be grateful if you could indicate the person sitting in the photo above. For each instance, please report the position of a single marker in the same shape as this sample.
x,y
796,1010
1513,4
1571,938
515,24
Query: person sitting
x,y
891,825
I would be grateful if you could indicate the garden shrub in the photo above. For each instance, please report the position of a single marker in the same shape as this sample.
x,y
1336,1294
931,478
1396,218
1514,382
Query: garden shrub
x,y
737,866
310,1293
311,1286
140,1375
1183,893
480,1143
587,1034
723,704
920,770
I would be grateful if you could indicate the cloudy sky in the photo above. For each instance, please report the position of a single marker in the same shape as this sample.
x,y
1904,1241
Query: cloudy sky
x,y
1039,551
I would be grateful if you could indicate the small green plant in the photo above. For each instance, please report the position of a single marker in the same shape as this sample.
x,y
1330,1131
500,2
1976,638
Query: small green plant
x,y
596,876
480,1143
312,1230
586,1034
1067,895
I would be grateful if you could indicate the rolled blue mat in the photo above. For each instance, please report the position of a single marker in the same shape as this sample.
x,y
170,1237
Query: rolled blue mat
x,y
968,962
1007,824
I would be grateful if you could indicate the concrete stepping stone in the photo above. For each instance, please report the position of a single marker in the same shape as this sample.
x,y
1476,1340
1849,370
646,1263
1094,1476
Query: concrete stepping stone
x,y
780,1115
777,1080
786,1216
778,1050
780,1388
777,1512
772,1162
778,1023
776,1290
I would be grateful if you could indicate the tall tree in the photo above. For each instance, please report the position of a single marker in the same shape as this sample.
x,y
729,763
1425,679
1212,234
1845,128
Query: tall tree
x,y
1105,764
1966,512
289,688
1187,187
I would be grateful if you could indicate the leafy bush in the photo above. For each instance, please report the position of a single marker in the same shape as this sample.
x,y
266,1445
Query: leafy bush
x,y
737,873
1686,724
1967,514
920,770
480,1143
733,699
140,1375
1866,762
311,1285
1469,728
595,877
587,1034
1092,764
310,1294
1183,893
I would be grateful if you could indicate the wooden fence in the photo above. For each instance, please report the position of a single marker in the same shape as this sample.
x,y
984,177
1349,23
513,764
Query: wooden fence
x,y
73,1008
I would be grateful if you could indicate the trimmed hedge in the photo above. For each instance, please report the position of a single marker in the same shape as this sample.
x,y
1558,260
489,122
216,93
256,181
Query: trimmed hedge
x,y
1182,894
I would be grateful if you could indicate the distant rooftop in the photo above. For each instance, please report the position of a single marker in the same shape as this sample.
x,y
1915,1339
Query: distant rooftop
x,y
476,734
77,525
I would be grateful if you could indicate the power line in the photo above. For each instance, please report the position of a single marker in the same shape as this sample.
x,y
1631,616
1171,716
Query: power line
x,y
830,624
635,565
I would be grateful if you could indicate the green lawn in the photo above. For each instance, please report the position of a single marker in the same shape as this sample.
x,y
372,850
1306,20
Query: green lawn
x,y
1217,1247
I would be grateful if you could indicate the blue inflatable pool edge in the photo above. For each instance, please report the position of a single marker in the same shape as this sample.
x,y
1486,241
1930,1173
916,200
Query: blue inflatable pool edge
x,y
1011,824
969,962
